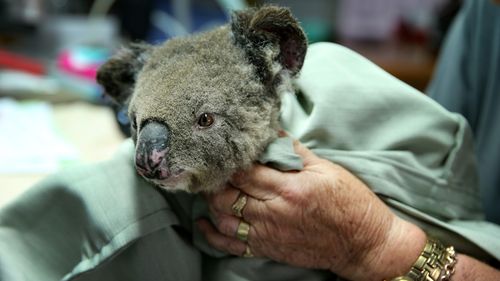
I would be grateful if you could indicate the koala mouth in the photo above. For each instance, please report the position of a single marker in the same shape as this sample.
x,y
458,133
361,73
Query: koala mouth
x,y
178,180
163,177
160,174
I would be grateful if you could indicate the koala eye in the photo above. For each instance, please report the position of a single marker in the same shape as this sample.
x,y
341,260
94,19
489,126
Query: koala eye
x,y
206,120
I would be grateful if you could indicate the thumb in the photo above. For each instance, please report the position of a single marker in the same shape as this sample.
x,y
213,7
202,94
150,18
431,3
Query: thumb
x,y
259,181
305,153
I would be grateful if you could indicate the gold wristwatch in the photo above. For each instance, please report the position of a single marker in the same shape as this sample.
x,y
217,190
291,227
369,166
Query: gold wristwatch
x,y
435,263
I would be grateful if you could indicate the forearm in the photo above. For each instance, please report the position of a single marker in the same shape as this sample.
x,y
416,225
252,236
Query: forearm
x,y
468,268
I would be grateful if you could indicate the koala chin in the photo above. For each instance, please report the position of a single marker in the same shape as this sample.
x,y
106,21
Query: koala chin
x,y
207,105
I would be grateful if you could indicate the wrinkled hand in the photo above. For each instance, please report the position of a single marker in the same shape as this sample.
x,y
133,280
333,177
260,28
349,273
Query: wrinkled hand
x,y
321,217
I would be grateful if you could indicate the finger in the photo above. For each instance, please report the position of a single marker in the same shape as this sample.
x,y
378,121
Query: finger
x,y
261,182
222,206
305,153
225,224
228,225
221,202
219,241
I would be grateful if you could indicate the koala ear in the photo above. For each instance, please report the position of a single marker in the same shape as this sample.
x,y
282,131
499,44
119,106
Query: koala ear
x,y
256,30
117,76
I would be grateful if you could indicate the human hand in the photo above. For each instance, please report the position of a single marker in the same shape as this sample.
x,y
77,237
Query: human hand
x,y
321,217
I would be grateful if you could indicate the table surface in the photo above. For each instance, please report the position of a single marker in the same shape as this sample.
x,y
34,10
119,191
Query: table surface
x,y
90,128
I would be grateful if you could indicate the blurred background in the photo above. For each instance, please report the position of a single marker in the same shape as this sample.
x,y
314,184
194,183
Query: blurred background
x,y
53,115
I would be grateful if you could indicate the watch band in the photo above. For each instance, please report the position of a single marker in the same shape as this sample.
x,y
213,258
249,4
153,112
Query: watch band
x,y
435,263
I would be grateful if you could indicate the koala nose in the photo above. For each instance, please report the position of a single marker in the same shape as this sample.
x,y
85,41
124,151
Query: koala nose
x,y
151,151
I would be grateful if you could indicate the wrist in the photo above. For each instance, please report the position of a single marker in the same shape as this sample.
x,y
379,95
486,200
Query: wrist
x,y
397,252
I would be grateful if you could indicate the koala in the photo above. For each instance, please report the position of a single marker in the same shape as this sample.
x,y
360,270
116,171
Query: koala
x,y
207,105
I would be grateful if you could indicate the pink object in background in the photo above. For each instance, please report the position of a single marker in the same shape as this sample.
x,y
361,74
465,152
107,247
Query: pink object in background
x,y
82,62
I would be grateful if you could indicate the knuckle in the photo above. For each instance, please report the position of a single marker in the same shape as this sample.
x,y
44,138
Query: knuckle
x,y
295,194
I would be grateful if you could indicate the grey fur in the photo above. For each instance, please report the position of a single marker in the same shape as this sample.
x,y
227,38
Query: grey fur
x,y
236,72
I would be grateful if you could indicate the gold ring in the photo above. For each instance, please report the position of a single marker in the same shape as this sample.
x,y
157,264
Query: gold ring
x,y
239,204
248,252
243,230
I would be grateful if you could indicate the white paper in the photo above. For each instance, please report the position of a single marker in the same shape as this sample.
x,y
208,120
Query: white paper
x,y
29,142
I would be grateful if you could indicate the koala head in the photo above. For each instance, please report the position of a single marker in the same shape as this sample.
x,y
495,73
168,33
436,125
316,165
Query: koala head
x,y
204,106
